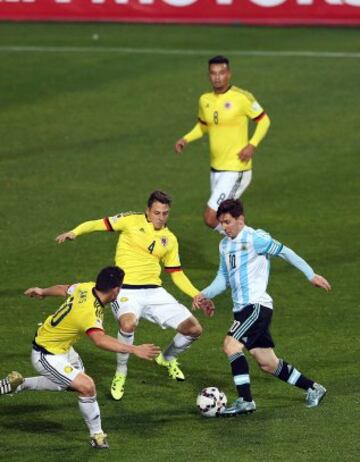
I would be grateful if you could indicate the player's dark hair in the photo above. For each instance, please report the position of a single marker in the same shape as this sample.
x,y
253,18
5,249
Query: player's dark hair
x,y
219,60
109,278
159,196
232,206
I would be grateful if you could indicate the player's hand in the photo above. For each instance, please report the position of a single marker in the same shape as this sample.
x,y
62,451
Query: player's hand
x,y
204,304
36,292
146,351
180,145
69,236
319,281
247,153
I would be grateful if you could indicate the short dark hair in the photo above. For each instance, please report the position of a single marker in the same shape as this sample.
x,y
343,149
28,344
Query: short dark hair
x,y
109,278
232,206
159,196
219,60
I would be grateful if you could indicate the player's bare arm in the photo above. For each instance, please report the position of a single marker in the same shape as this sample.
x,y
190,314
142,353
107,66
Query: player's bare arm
x,y
105,342
319,281
180,145
59,290
68,236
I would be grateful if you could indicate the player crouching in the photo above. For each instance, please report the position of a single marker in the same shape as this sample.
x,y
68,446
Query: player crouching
x,y
53,356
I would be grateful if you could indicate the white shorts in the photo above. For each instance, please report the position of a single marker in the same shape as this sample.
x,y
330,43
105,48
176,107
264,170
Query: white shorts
x,y
154,304
60,369
227,185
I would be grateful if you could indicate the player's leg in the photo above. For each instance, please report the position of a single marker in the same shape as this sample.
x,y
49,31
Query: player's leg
x,y
224,185
270,363
126,310
241,184
164,310
244,404
188,331
246,330
89,408
15,383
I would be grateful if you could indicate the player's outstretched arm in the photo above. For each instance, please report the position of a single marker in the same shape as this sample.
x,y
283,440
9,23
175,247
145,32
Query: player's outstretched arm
x,y
84,228
54,291
108,343
69,236
320,281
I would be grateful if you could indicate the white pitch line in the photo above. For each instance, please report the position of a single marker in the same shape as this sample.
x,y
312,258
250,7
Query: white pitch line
x,y
183,52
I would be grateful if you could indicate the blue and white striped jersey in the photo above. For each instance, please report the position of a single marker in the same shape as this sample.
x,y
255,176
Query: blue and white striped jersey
x,y
245,267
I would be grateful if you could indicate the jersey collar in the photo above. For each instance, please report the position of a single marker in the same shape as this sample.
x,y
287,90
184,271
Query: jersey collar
x,y
223,93
97,298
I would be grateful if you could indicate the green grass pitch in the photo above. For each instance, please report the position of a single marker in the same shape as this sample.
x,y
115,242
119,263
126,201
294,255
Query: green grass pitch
x,y
89,133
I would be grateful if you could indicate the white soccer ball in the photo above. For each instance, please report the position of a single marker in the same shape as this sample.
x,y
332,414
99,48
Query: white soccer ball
x,y
211,401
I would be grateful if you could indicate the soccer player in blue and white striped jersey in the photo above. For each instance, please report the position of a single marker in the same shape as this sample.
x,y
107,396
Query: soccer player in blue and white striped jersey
x,y
245,255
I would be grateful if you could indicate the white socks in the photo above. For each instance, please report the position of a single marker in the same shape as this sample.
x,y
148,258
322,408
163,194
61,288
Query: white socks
x,y
39,383
179,344
90,411
123,358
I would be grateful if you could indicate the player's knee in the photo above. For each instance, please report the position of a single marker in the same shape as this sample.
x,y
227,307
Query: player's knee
x,y
191,327
210,218
87,387
210,221
231,346
195,330
127,325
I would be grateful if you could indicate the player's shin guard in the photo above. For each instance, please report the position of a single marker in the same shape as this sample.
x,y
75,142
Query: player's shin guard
x,y
123,358
240,372
287,373
39,383
90,411
179,344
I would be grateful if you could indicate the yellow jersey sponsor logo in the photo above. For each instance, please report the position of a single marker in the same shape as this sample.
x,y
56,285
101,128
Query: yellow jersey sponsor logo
x,y
124,299
68,369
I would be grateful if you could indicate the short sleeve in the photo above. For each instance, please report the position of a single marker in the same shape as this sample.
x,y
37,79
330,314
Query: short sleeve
x,y
171,259
251,107
264,244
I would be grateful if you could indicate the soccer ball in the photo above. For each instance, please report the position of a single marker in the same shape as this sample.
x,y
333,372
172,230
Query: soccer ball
x,y
211,401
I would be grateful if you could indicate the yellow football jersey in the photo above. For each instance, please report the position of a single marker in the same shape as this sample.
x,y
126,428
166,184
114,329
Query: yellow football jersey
x,y
141,248
81,311
226,117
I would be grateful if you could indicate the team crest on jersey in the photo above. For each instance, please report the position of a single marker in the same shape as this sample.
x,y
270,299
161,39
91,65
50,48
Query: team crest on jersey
x,y
142,230
68,369
124,299
164,241
82,296
228,105
243,246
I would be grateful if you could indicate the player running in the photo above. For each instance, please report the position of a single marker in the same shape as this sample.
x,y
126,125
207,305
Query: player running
x,y
53,356
244,267
145,241
224,115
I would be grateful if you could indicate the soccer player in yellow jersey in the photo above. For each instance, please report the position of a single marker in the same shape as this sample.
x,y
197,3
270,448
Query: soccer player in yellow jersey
x,y
53,355
224,115
145,241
